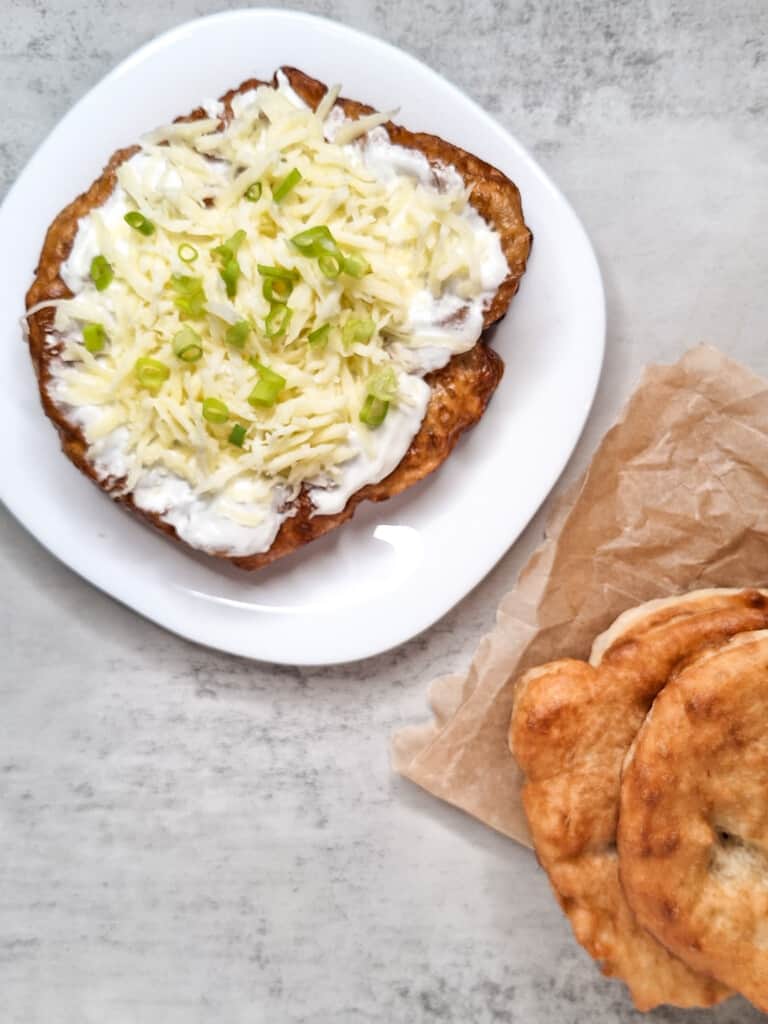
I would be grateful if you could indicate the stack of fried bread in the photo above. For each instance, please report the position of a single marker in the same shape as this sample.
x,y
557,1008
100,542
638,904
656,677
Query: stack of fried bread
x,y
647,795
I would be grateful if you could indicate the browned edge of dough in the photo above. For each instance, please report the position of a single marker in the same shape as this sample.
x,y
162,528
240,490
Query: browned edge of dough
x,y
461,390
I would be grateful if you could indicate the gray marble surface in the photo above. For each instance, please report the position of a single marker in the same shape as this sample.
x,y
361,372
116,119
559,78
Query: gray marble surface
x,y
187,838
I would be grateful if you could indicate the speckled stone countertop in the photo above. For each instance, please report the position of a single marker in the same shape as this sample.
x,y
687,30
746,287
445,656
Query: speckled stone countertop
x,y
187,838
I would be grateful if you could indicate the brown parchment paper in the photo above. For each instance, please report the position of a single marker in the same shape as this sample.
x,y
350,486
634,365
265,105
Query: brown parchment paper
x,y
676,498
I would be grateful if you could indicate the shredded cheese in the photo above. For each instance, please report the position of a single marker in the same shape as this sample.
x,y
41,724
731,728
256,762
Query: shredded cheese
x,y
190,180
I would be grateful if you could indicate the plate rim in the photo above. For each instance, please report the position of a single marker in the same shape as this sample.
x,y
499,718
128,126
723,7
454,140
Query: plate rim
x,y
170,38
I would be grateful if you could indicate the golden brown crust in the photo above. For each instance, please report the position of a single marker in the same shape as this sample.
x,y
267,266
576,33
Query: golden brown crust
x,y
693,825
572,726
460,391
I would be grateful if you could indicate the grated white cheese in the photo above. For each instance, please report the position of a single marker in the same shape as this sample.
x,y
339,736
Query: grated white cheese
x,y
434,263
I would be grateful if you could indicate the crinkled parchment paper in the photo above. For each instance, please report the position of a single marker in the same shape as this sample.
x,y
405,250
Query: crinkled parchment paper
x,y
676,498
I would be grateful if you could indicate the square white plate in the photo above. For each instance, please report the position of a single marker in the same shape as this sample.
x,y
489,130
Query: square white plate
x,y
397,567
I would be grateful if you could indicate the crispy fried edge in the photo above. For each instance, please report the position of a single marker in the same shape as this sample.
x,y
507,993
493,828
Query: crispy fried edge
x,y
461,390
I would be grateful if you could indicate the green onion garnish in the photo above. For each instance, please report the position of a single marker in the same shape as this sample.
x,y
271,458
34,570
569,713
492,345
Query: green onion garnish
x,y
279,273
230,268
275,290
382,389
318,338
383,384
290,181
187,345
277,320
215,411
187,253
237,334
313,240
278,282
230,275
356,265
227,250
190,295
330,264
268,386
237,435
101,272
151,373
264,394
357,332
320,243
253,192
373,411
139,222
94,337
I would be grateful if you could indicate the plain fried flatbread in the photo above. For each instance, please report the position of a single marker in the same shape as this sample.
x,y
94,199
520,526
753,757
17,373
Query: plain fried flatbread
x,y
693,824
572,726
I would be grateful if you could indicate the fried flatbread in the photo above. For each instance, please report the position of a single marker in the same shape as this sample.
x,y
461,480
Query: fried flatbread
x,y
461,390
693,823
572,726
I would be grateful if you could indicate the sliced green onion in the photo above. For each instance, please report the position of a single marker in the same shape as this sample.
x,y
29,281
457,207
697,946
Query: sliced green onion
x,y
139,223
187,345
101,272
281,273
277,320
253,192
266,374
227,250
151,373
187,253
237,334
215,411
264,394
320,243
327,243
382,389
276,290
383,384
190,295
268,386
230,268
237,435
357,332
230,275
278,282
313,240
318,338
289,182
356,265
94,337
373,411
330,264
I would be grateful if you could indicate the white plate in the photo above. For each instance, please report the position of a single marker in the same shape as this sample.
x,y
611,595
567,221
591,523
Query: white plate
x,y
397,567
